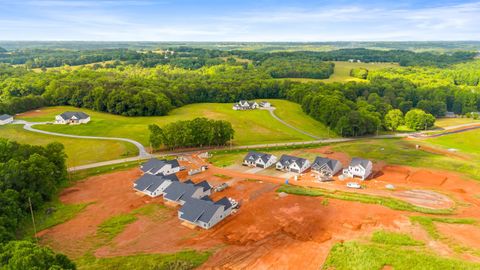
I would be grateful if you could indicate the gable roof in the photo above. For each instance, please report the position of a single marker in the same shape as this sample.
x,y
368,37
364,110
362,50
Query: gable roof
x,y
360,161
178,190
286,160
157,164
5,117
77,115
204,184
151,182
253,156
330,163
195,210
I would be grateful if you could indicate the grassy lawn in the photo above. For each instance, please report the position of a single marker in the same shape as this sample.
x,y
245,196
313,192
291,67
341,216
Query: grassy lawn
x,y
391,203
466,142
342,71
367,256
181,260
402,152
392,238
447,122
79,151
293,114
251,127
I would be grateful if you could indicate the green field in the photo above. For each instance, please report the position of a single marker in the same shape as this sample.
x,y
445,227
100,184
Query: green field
x,y
251,127
342,71
464,142
447,122
79,151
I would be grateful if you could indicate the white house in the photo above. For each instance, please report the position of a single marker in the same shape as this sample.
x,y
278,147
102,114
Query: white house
x,y
265,104
160,167
292,164
204,212
245,105
153,185
72,118
5,119
359,168
256,159
180,192
326,167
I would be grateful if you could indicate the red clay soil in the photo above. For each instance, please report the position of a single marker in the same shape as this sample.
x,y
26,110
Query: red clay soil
x,y
464,234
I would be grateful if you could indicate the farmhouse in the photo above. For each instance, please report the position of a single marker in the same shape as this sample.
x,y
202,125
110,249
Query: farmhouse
x,y
179,193
204,212
5,119
292,164
156,166
245,105
72,118
265,104
326,167
359,168
153,185
256,159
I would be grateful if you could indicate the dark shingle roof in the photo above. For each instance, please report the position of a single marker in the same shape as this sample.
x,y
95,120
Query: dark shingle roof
x,y
178,190
5,117
70,115
253,156
157,164
360,161
286,160
320,161
201,210
206,186
151,182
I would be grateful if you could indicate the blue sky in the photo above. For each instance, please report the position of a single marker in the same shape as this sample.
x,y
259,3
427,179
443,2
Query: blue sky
x,y
247,20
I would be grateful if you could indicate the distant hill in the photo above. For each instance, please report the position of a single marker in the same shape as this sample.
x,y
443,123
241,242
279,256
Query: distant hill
x,y
2,50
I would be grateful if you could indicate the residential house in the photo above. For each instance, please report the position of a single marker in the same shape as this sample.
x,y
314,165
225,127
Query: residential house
x,y
205,213
450,115
256,159
72,118
292,164
5,119
359,168
156,166
265,104
180,192
326,167
153,185
245,105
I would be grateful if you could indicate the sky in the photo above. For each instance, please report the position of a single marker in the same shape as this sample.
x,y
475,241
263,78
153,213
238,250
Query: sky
x,y
246,20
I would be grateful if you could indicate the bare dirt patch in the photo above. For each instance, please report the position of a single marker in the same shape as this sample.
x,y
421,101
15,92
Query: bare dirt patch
x,y
463,234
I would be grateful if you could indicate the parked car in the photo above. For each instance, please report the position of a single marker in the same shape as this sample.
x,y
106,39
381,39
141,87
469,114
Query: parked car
x,y
353,185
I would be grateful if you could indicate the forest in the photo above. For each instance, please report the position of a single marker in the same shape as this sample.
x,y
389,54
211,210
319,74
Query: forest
x,y
29,177
349,108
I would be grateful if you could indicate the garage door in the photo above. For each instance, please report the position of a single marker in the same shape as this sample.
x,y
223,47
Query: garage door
x,y
294,170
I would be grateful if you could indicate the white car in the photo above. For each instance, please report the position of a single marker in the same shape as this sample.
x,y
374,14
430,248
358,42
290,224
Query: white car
x,y
353,185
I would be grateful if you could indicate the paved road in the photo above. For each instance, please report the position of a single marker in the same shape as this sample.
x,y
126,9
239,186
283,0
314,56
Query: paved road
x,y
272,113
142,152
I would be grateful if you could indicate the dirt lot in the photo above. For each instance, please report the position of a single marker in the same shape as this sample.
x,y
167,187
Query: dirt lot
x,y
269,231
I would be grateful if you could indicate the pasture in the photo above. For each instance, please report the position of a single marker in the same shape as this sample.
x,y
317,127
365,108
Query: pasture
x,y
251,127
342,71
79,151
465,142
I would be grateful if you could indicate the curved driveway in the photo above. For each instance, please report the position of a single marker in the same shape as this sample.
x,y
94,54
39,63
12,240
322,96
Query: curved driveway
x,y
290,126
142,152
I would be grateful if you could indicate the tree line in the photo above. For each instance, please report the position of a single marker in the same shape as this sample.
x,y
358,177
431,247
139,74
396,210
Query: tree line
x,y
191,133
297,67
29,177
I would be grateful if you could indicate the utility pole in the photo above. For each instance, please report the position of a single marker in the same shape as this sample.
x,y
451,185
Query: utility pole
x,y
33,220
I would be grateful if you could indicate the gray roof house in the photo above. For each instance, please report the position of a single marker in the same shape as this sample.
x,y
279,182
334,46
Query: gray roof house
x,y
359,167
179,193
205,213
326,167
292,164
265,104
5,119
257,159
153,185
156,166
245,105
72,118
